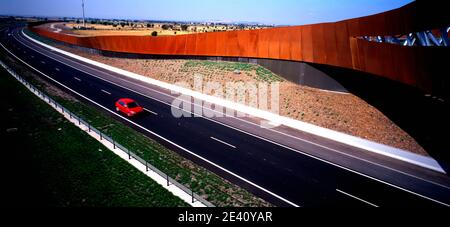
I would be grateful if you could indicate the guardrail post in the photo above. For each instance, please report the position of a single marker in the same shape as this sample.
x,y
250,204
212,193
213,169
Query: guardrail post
x,y
79,121
70,115
167,177
146,166
101,136
129,154
89,127
114,144
192,193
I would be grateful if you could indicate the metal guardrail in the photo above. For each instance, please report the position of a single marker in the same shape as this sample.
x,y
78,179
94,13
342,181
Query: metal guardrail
x,y
131,155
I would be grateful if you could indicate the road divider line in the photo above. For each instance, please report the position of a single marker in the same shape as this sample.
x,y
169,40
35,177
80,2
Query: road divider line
x,y
57,69
150,111
106,92
357,198
220,141
157,135
43,62
76,78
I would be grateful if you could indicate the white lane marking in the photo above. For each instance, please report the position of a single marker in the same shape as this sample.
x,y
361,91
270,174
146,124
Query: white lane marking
x,y
24,52
352,196
106,92
220,141
150,111
300,152
76,78
32,56
159,136
43,62
251,123
57,69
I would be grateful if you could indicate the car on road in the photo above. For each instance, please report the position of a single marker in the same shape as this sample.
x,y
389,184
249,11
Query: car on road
x,y
128,107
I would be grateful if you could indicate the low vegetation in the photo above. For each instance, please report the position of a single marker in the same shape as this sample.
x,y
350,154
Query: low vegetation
x,y
262,74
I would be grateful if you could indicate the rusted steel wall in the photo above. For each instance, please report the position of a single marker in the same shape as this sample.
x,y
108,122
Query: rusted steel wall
x,y
326,43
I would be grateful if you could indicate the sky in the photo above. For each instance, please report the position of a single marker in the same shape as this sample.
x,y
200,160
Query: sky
x,y
277,12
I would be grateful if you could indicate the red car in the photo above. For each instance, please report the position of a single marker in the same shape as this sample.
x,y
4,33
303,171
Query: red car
x,y
128,107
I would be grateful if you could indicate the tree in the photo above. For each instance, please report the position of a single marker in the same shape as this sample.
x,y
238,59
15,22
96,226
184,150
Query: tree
x,y
184,27
154,33
165,27
149,25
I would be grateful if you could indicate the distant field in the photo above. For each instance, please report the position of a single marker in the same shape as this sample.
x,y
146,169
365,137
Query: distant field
x,y
122,32
141,29
106,30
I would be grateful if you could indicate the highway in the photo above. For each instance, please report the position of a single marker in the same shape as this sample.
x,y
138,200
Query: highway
x,y
282,175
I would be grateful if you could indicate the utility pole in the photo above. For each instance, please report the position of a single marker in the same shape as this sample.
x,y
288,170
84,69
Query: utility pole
x,y
84,20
